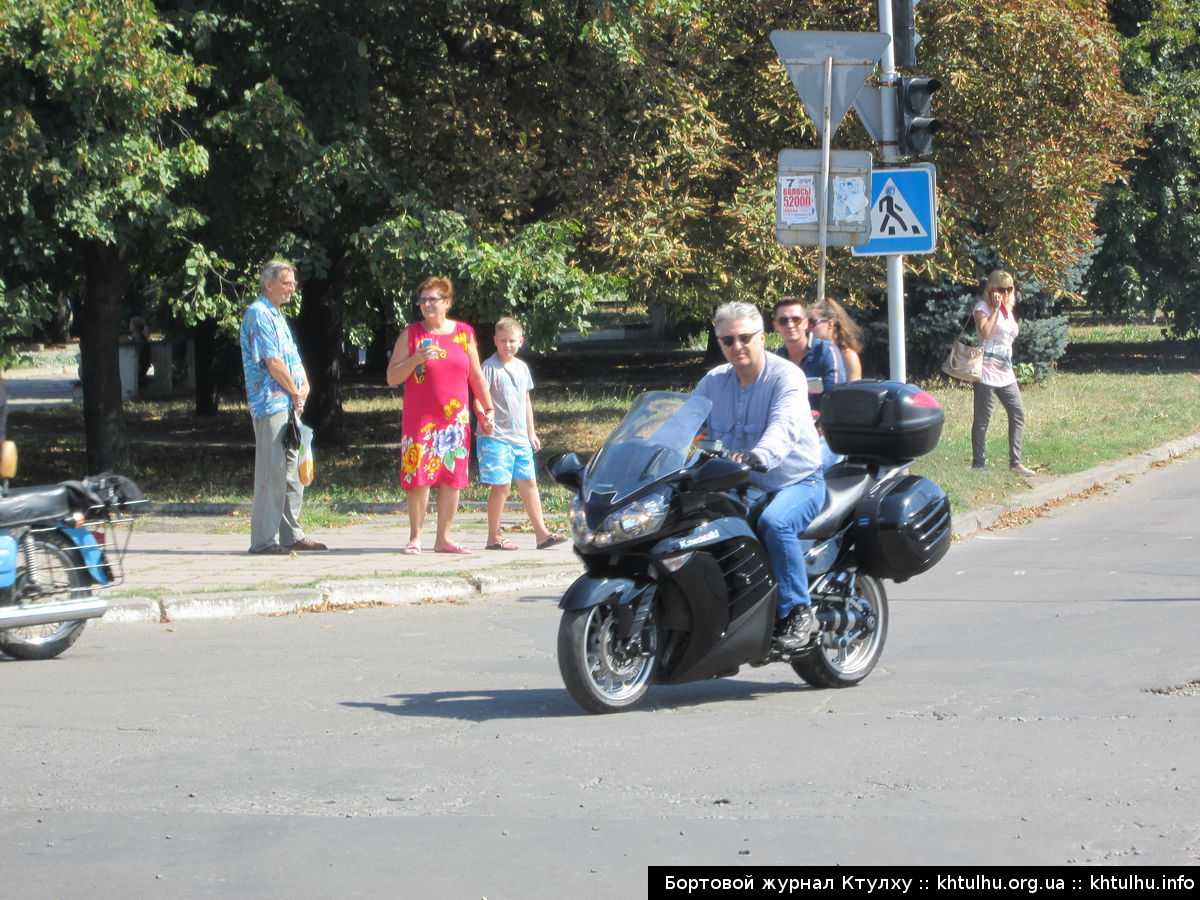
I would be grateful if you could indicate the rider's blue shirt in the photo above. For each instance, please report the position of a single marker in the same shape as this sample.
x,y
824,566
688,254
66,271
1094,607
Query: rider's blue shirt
x,y
822,360
769,417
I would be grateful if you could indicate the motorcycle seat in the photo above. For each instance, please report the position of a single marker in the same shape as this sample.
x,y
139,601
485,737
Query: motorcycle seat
x,y
844,487
25,506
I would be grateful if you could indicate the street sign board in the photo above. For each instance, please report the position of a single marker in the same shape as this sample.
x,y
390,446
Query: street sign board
x,y
799,194
903,212
855,55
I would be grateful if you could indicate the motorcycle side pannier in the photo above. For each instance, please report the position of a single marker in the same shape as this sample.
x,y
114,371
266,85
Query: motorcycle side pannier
x,y
902,528
882,420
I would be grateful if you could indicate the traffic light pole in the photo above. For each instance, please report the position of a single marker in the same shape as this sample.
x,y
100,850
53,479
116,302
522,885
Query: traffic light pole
x,y
890,151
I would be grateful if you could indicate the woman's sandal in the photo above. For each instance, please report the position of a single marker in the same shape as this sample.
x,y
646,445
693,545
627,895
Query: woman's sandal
x,y
551,541
502,545
412,548
451,548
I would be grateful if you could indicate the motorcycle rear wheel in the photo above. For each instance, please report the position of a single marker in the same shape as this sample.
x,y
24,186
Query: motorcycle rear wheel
x,y
830,664
600,677
61,577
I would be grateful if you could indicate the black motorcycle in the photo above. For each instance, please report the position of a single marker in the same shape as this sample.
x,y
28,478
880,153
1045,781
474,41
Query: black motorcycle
x,y
678,587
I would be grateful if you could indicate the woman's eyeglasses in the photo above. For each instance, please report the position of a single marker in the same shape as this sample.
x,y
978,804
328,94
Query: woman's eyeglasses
x,y
730,339
430,299
1003,290
818,321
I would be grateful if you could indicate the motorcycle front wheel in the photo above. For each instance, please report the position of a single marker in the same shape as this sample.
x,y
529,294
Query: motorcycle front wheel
x,y
596,670
60,577
843,660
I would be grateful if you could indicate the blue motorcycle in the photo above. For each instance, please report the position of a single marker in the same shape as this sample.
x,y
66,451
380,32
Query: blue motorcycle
x,y
57,548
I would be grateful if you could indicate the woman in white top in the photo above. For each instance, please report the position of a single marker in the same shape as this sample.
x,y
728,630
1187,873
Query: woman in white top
x,y
997,327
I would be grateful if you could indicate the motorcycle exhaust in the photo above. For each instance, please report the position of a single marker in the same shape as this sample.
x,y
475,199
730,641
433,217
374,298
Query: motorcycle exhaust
x,y
45,613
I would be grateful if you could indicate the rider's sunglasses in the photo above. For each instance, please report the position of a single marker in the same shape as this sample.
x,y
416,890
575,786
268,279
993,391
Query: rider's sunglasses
x,y
730,339
789,320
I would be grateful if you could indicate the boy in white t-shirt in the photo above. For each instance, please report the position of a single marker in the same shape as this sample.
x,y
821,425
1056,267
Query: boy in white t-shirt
x,y
507,455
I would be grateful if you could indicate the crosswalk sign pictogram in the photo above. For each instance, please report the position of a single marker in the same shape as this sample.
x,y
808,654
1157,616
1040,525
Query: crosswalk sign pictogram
x,y
903,212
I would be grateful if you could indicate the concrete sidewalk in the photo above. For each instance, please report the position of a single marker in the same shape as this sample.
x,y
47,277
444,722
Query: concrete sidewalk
x,y
175,571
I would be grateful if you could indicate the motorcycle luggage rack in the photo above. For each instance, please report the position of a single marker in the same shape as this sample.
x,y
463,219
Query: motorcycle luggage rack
x,y
115,523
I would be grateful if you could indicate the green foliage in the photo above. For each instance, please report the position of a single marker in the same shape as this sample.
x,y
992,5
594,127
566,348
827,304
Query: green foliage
x,y
1148,261
528,276
87,149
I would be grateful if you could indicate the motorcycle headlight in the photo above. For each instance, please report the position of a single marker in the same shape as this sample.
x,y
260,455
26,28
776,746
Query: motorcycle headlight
x,y
631,521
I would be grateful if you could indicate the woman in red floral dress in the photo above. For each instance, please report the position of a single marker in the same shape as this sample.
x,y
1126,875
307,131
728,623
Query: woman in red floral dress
x,y
437,360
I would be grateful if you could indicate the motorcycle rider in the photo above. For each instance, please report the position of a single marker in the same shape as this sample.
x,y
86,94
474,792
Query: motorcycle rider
x,y
760,412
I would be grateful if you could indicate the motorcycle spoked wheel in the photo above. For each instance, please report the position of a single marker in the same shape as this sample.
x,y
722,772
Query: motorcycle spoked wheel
x,y
61,578
832,665
597,674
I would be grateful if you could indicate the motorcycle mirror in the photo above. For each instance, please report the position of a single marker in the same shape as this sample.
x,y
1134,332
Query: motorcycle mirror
x,y
719,475
8,460
565,469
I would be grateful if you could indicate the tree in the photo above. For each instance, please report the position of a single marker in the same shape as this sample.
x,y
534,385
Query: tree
x,y
1148,259
89,161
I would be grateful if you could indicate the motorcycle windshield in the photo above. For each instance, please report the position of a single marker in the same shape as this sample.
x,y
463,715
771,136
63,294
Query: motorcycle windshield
x,y
654,439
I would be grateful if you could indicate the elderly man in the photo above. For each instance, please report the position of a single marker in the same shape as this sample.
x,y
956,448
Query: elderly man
x,y
275,385
760,412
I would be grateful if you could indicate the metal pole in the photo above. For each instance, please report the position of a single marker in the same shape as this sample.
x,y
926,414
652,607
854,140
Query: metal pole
x,y
890,150
822,211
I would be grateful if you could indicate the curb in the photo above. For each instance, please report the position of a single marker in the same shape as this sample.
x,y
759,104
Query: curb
x,y
327,595
1061,487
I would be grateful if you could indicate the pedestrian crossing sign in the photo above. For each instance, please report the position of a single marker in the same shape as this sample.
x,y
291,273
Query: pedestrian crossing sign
x,y
903,212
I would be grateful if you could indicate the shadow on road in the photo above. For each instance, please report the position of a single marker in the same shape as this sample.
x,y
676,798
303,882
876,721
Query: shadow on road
x,y
486,705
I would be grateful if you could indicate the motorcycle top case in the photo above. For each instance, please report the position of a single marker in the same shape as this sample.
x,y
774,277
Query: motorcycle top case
x,y
902,528
883,420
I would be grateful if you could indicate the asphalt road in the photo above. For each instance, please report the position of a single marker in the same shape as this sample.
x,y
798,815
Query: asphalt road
x,y
1032,707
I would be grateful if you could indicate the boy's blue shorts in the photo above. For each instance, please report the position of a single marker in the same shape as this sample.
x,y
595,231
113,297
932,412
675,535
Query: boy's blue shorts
x,y
500,462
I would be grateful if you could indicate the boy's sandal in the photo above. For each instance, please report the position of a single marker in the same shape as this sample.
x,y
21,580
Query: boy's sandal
x,y
551,541
502,545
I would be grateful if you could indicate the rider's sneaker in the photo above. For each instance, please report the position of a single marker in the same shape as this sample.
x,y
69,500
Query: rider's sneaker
x,y
796,629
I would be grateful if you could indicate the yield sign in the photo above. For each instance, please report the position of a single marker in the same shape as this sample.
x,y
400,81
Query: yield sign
x,y
855,54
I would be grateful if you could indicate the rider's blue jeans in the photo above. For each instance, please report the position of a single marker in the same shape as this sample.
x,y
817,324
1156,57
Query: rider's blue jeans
x,y
785,517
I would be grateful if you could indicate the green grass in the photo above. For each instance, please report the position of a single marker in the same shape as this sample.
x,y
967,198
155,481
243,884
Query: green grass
x,y
1072,423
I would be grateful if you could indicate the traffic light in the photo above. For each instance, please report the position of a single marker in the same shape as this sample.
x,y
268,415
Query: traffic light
x,y
916,126
904,32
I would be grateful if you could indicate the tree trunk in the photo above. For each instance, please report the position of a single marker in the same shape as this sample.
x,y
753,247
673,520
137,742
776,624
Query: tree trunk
x,y
204,338
319,337
106,272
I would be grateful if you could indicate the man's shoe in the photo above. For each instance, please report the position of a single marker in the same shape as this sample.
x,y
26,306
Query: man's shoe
x,y
1019,469
270,549
307,544
795,630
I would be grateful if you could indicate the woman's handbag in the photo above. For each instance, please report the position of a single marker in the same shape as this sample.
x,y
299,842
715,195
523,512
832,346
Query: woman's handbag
x,y
964,361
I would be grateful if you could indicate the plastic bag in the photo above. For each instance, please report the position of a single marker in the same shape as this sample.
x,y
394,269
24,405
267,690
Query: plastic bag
x,y
305,463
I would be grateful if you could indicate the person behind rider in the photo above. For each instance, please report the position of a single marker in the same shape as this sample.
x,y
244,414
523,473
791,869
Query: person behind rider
x,y
760,413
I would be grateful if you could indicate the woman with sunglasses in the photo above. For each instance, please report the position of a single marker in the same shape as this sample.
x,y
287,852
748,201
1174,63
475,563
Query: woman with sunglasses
x,y
437,361
997,326
829,321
